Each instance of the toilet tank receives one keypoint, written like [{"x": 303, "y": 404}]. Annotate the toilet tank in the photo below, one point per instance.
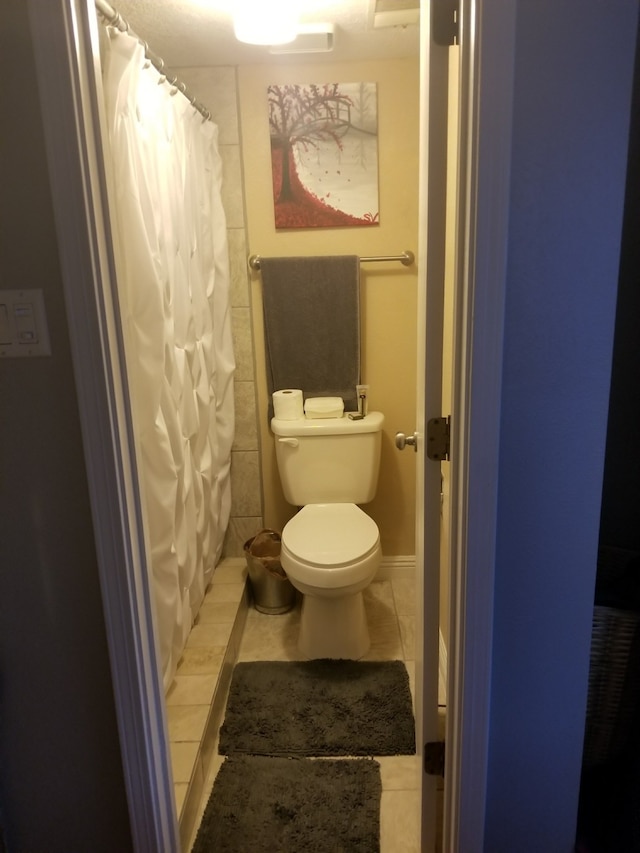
[{"x": 332, "y": 460}]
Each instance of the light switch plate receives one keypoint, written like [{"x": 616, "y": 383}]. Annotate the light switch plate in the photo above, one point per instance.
[{"x": 23, "y": 324}]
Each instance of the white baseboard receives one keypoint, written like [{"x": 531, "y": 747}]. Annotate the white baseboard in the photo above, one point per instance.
[
  {"x": 391, "y": 568},
  {"x": 397, "y": 568}
]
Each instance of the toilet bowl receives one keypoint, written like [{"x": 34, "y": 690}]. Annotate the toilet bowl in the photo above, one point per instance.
[{"x": 330, "y": 553}]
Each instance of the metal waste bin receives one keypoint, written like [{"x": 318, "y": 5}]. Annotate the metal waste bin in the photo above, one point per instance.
[{"x": 272, "y": 591}]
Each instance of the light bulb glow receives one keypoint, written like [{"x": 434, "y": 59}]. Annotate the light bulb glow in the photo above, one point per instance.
[{"x": 265, "y": 21}]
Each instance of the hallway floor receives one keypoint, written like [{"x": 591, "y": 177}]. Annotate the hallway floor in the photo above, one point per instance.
[{"x": 390, "y": 606}]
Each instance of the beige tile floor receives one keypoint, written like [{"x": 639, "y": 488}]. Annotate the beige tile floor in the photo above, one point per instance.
[{"x": 215, "y": 642}]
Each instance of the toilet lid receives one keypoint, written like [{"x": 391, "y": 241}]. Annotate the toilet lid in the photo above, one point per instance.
[{"x": 330, "y": 534}]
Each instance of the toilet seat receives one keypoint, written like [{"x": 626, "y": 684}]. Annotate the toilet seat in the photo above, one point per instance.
[
  {"x": 331, "y": 553},
  {"x": 331, "y": 536}
]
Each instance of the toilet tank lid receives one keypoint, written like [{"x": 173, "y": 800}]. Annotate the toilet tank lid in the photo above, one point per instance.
[{"x": 328, "y": 426}]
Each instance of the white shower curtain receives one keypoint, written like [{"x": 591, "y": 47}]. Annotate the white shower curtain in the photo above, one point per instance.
[{"x": 173, "y": 287}]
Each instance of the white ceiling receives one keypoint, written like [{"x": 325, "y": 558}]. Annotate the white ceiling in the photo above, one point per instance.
[{"x": 200, "y": 32}]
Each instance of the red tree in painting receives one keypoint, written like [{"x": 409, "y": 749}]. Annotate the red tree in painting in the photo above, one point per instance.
[{"x": 306, "y": 116}]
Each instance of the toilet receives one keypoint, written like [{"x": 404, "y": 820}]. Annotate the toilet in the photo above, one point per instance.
[{"x": 330, "y": 549}]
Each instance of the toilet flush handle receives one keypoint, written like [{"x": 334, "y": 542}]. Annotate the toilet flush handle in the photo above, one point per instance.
[{"x": 292, "y": 442}]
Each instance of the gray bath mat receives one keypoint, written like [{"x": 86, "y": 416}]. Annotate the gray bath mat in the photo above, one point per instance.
[
  {"x": 320, "y": 707},
  {"x": 292, "y": 804}
]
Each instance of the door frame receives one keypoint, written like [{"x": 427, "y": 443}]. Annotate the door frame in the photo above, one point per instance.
[
  {"x": 487, "y": 48},
  {"x": 64, "y": 46}
]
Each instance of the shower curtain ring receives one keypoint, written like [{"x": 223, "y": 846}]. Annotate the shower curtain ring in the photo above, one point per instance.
[{"x": 160, "y": 67}]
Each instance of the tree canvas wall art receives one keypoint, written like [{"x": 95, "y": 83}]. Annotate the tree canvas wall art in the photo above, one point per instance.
[{"x": 324, "y": 154}]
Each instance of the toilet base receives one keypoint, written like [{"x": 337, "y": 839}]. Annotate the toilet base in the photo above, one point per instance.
[{"x": 333, "y": 627}]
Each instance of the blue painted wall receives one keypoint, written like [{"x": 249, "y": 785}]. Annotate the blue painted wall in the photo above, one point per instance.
[{"x": 573, "y": 76}]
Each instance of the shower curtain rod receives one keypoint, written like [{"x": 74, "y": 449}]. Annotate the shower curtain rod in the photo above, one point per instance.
[
  {"x": 406, "y": 259},
  {"x": 115, "y": 19}
]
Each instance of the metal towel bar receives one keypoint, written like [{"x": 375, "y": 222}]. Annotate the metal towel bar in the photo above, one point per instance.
[{"x": 407, "y": 258}]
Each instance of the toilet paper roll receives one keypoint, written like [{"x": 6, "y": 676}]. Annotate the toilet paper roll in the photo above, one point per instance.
[{"x": 288, "y": 404}]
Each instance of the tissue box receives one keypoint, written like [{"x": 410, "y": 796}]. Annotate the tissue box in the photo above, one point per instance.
[{"x": 324, "y": 407}]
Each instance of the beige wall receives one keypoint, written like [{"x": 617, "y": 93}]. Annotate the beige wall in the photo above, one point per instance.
[{"x": 388, "y": 290}]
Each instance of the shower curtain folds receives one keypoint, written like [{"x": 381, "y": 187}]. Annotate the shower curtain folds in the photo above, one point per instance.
[{"x": 173, "y": 290}]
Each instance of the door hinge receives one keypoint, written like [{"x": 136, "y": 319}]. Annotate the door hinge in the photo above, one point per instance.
[
  {"x": 445, "y": 22},
  {"x": 439, "y": 439},
  {"x": 434, "y": 758}
]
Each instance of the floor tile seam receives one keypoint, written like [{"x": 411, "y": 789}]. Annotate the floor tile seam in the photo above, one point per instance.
[
  {"x": 217, "y": 649},
  {"x": 397, "y": 615},
  {"x": 210, "y": 626},
  {"x": 208, "y": 648},
  {"x": 230, "y": 574},
  {"x": 196, "y": 742},
  {"x": 210, "y": 597},
  {"x": 193, "y": 675},
  {"x": 407, "y": 654},
  {"x": 188, "y": 705},
  {"x": 255, "y": 616},
  {"x": 214, "y": 622},
  {"x": 400, "y": 609},
  {"x": 385, "y": 621},
  {"x": 223, "y": 609}
]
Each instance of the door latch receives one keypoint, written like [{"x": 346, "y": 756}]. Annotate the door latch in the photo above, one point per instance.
[
  {"x": 445, "y": 25},
  {"x": 434, "y": 758}
]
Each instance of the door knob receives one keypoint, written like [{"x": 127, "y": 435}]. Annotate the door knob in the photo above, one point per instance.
[{"x": 402, "y": 440}]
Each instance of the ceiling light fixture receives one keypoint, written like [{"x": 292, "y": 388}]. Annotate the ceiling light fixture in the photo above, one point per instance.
[
  {"x": 310, "y": 38},
  {"x": 265, "y": 21}
]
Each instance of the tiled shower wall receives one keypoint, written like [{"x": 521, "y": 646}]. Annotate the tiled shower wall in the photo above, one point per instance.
[{"x": 217, "y": 89}]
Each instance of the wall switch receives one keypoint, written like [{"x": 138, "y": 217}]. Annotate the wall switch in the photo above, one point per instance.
[{"x": 23, "y": 324}]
